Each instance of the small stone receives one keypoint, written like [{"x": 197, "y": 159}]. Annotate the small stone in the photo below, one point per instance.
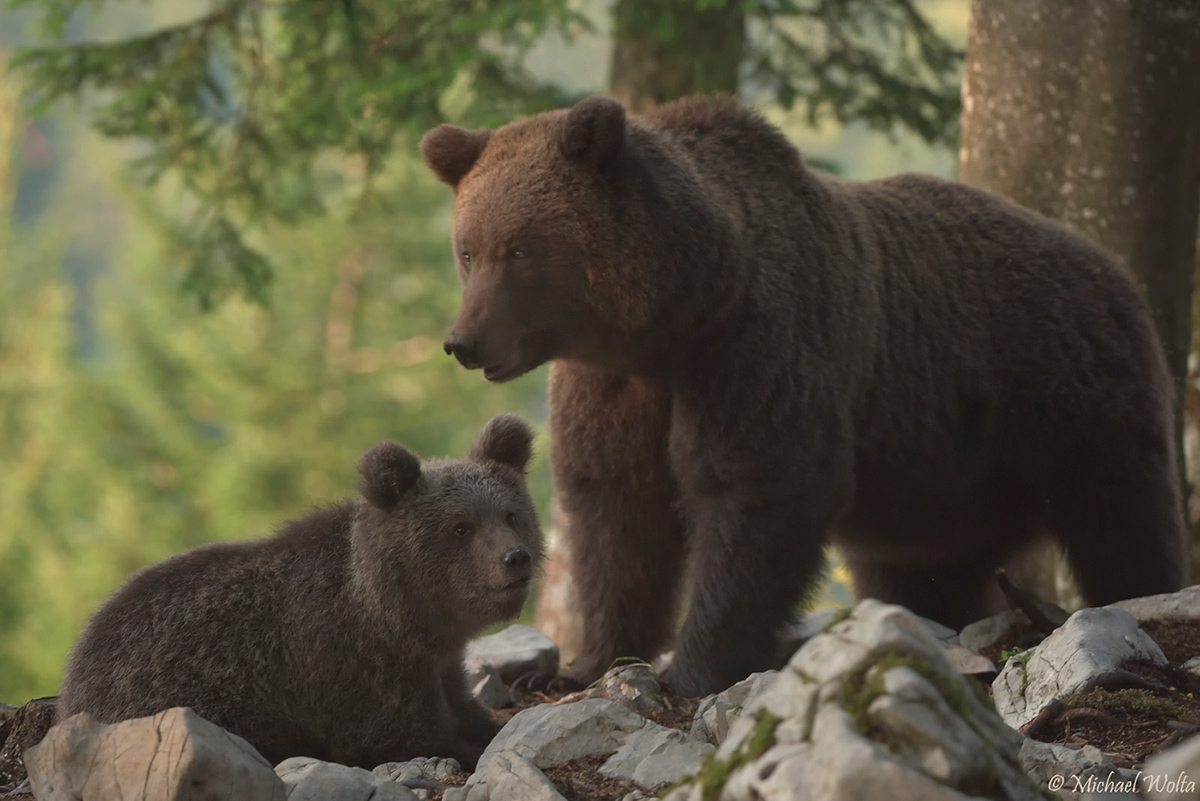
[
  {"x": 655, "y": 756},
  {"x": 511, "y": 777},
  {"x": 430, "y": 769},
  {"x": 970, "y": 663},
  {"x": 1192, "y": 666},
  {"x": 515, "y": 651},
  {"x": 485, "y": 684},
  {"x": 1047, "y": 762},
  {"x": 983, "y": 634},
  {"x": 175, "y": 755},
  {"x": 634, "y": 686},
  {"x": 308, "y": 779},
  {"x": 551, "y": 734},
  {"x": 1173, "y": 606}
]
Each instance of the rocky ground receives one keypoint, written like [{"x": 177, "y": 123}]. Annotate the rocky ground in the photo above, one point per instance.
[{"x": 874, "y": 703}]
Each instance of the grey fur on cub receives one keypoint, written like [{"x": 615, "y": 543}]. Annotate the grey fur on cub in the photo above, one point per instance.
[{"x": 341, "y": 636}]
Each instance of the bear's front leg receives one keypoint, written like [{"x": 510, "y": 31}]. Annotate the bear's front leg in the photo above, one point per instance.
[
  {"x": 609, "y": 452},
  {"x": 475, "y": 723},
  {"x": 759, "y": 496}
]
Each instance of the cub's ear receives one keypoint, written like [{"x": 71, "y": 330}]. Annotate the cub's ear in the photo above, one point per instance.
[
  {"x": 388, "y": 471},
  {"x": 451, "y": 152},
  {"x": 594, "y": 131},
  {"x": 506, "y": 439}
]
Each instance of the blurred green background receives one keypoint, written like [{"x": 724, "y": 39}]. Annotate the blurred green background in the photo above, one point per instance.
[{"x": 135, "y": 422}]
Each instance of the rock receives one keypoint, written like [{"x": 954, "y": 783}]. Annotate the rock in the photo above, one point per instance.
[
  {"x": 309, "y": 779},
  {"x": 970, "y": 663},
  {"x": 511, "y": 777},
  {"x": 633, "y": 686},
  {"x": 515, "y": 651},
  {"x": 430, "y": 769},
  {"x": 550, "y": 734},
  {"x": 655, "y": 756},
  {"x": 1067, "y": 771},
  {"x": 1192, "y": 666},
  {"x": 871, "y": 708},
  {"x": 24, "y": 728},
  {"x": 945, "y": 634},
  {"x": 804, "y": 628},
  {"x": 174, "y": 755},
  {"x": 1172, "y": 606},
  {"x": 1091, "y": 643},
  {"x": 484, "y": 682},
  {"x": 983, "y": 634},
  {"x": 1173, "y": 774},
  {"x": 717, "y": 712}
]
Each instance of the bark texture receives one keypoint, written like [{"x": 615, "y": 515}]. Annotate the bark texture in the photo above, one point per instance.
[{"x": 1090, "y": 114}]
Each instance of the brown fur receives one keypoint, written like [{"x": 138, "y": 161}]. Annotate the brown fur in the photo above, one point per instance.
[
  {"x": 751, "y": 360},
  {"x": 340, "y": 637}
]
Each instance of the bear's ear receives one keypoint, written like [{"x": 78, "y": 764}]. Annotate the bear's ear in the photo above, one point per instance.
[
  {"x": 451, "y": 152},
  {"x": 506, "y": 439},
  {"x": 594, "y": 131},
  {"x": 388, "y": 471}
]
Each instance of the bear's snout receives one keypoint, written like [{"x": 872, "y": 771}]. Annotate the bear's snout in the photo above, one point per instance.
[
  {"x": 466, "y": 352},
  {"x": 519, "y": 564}
]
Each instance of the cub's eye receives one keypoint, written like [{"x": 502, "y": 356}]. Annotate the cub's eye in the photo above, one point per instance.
[
  {"x": 518, "y": 254},
  {"x": 462, "y": 531},
  {"x": 511, "y": 519},
  {"x": 466, "y": 257}
]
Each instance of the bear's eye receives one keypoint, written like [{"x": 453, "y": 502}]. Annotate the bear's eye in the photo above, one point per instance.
[
  {"x": 511, "y": 519},
  {"x": 466, "y": 257},
  {"x": 518, "y": 254},
  {"x": 462, "y": 531}
]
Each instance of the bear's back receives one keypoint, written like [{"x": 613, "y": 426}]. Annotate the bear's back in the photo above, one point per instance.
[{"x": 211, "y": 628}]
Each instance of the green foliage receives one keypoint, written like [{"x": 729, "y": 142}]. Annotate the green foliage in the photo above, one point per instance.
[
  {"x": 1131, "y": 702},
  {"x": 714, "y": 773},
  {"x": 191, "y": 427},
  {"x": 240, "y": 103},
  {"x": 874, "y": 61}
]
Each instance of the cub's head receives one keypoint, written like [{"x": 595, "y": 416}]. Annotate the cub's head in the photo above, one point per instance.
[
  {"x": 547, "y": 217},
  {"x": 456, "y": 542}
]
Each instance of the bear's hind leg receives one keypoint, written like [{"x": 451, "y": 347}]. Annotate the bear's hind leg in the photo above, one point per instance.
[
  {"x": 627, "y": 544},
  {"x": 1116, "y": 510}
]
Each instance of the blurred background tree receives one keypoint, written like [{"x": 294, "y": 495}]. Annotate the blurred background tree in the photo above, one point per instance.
[
  {"x": 211, "y": 309},
  {"x": 1099, "y": 129}
]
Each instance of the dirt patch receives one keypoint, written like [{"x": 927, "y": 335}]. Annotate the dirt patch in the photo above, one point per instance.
[
  {"x": 580, "y": 780},
  {"x": 26, "y": 728},
  {"x": 1179, "y": 640}
]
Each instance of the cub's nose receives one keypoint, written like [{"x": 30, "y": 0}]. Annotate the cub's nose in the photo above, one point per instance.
[
  {"x": 519, "y": 562},
  {"x": 462, "y": 350}
]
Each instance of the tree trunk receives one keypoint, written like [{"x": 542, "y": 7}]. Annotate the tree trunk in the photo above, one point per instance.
[
  {"x": 8, "y": 138},
  {"x": 661, "y": 51},
  {"x": 1090, "y": 114},
  {"x": 666, "y": 50}
]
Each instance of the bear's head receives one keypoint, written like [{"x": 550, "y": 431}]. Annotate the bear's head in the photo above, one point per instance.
[
  {"x": 570, "y": 234},
  {"x": 451, "y": 544}
]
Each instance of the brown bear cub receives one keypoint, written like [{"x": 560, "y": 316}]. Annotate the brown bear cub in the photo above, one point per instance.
[
  {"x": 751, "y": 360},
  {"x": 342, "y": 636}
]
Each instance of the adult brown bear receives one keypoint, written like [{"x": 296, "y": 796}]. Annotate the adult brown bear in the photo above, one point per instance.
[{"x": 751, "y": 359}]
